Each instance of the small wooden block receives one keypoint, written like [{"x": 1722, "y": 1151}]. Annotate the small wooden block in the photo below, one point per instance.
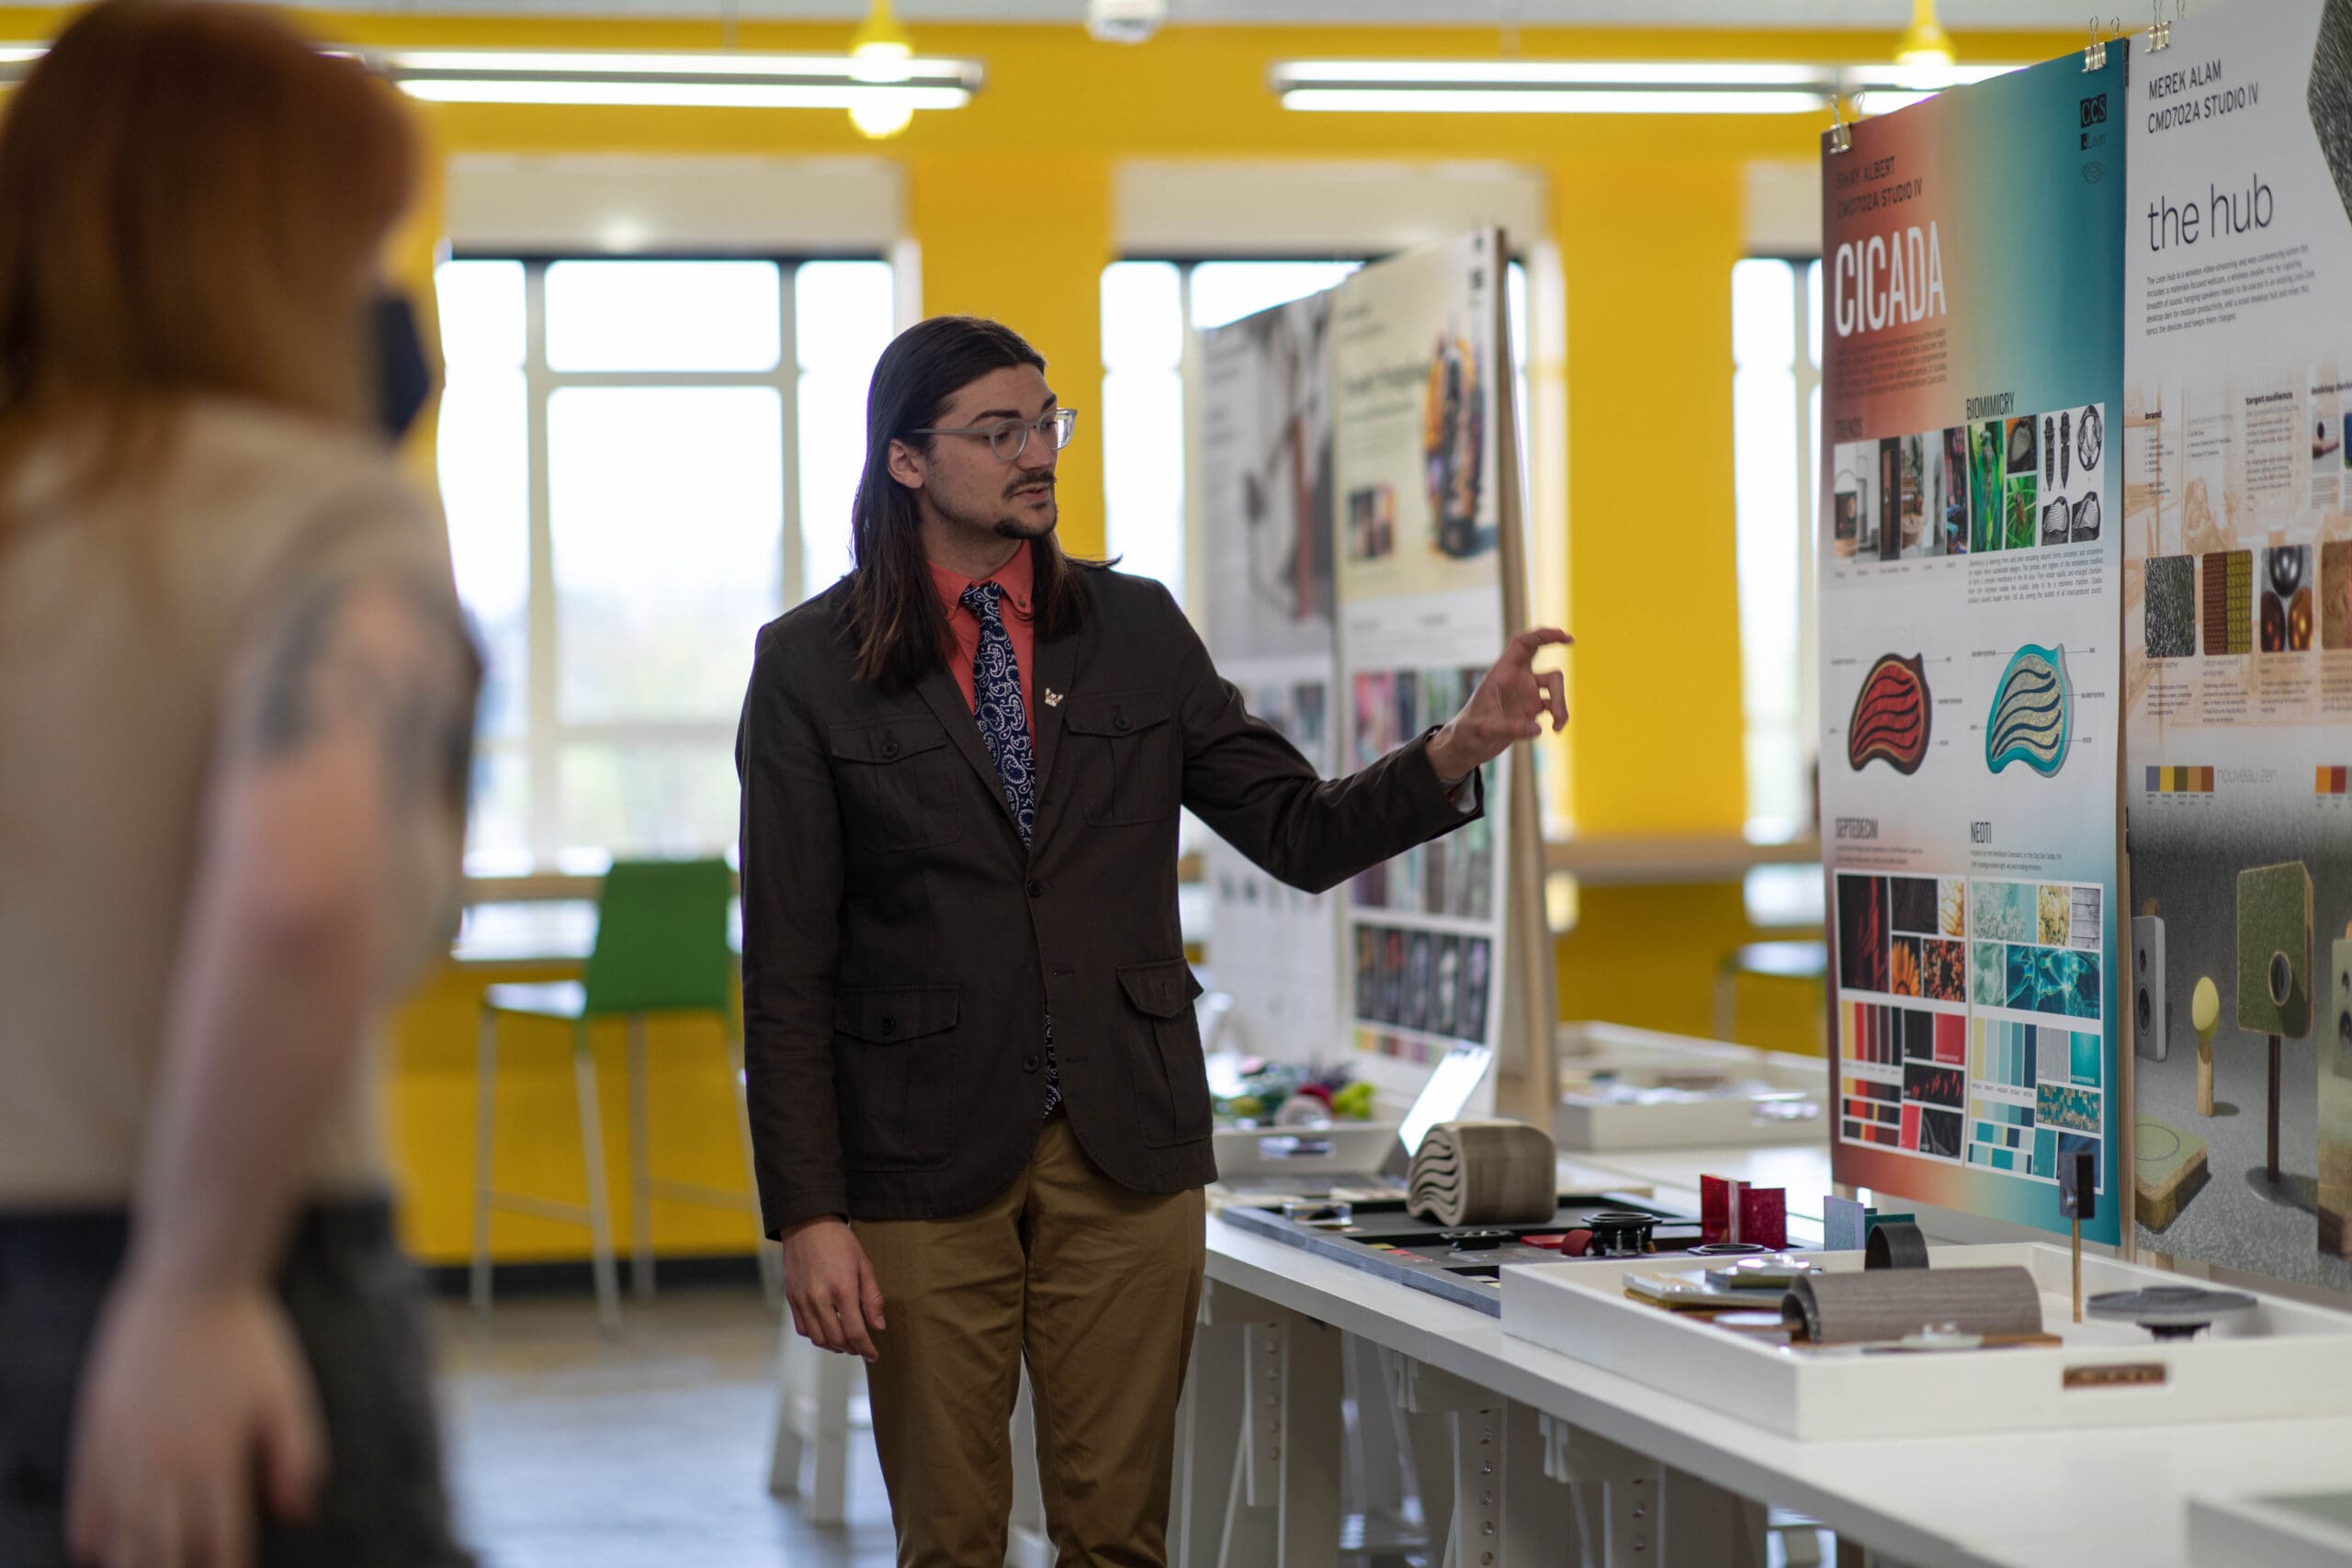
[{"x": 2168, "y": 1169}]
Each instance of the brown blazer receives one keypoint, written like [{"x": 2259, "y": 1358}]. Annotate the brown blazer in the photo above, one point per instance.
[{"x": 900, "y": 945}]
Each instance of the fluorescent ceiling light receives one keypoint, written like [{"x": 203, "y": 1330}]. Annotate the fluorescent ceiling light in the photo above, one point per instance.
[
  {"x": 1580, "y": 87},
  {"x": 1921, "y": 79},
  {"x": 1544, "y": 74},
  {"x": 578, "y": 62},
  {"x": 685, "y": 95},
  {"x": 684, "y": 79},
  {"x": 1525, "y": 100}
]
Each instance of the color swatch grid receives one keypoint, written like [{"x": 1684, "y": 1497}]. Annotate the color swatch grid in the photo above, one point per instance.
[
  {"x": 2335, "y": 781},
  {"x": 1871, "y": 1111},
  {"x": 1986, "y": 1087},
  {"x": 2186, "y": 781},
  {"x": 1888, "y": 1036}
]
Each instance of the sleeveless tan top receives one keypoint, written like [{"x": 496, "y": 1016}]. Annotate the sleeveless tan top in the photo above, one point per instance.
[{"x": 121, "y": 620}]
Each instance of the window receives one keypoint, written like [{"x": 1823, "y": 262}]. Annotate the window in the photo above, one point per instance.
[
  {"x": 643, "y": 461},
  {"x": 1776, "y": 410},
  {"x": 1148, "y": 307}
]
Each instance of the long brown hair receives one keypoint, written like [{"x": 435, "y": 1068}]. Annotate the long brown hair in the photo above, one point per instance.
[
  {"x": 895, "y": 620},
  {"x": 192, "y": 201}
]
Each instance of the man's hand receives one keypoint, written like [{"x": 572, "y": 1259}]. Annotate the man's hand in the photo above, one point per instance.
[
  {"x": 836, "y": 1303},
  {"x": 195, "y": 1399},
  {"x": 1508, "y": 705}
]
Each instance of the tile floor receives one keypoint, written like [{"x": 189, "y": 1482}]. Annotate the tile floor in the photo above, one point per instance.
[{"x": 571, "y": 1450}]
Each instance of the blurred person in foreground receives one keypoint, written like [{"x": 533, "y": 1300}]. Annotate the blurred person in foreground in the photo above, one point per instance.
[{"x": 236, "y": 693}]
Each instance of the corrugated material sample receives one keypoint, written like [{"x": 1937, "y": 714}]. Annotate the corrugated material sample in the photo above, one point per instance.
[
  {"x": 1485, "y": 1173},
  {"x": 1887, "y": 1304}
]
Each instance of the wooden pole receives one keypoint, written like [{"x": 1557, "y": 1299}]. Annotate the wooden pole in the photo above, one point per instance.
[
  {"x": 2274, "y": 1109},
  {"x": 2078, "y": 1269}
]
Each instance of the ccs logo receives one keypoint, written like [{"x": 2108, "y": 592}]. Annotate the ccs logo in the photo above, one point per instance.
[{"x": 2095, "y": 110}]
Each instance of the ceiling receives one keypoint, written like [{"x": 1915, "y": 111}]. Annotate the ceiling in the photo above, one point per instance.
[{"x": 1961, "y": 16}]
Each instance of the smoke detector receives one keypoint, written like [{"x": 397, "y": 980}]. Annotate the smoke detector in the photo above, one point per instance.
[{"x": 1124, "y": 21}]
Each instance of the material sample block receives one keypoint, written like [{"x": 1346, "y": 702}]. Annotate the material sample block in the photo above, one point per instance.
[
  {"x": 2275, "y": 950},
  {"x": 2168, "y": 1170},
  {"x": 2335, "y": 1107}
]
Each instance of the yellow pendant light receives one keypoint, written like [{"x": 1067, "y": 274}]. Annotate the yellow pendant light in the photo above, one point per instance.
[
  {"x": 1925, "y": 43},
  {"x": 878, "y": 52}
]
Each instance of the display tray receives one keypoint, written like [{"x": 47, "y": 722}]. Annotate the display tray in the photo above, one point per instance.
[
  {"x": 2279, "y": 1360},
  {"x": 2309, "y": 1529},
  {"x": 1383, "y": 1239},
  {"x": 1637, "y": 1089}
]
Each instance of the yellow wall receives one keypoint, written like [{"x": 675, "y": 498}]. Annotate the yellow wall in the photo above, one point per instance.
[{"x": 1010, "y": 204}]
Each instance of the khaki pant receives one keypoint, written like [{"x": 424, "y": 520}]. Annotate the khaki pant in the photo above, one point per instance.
[{"x": 1099, "y": 1288}]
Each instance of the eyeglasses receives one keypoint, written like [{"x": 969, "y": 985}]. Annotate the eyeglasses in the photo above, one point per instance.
[{"x": 1008, "y": 439}]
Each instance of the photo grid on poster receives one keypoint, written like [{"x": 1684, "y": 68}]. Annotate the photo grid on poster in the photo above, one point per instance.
[{"x": 1969, "y": 1018}]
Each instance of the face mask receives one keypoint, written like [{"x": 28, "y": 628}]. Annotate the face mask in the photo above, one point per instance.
[{"x": 404, "y": 380}]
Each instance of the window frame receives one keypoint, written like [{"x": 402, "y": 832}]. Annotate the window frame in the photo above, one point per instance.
[
  {"x": 1806, "y": 374},
  {"x": 545, "y": 732}
]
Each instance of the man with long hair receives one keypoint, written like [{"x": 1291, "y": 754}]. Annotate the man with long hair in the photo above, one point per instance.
[{"x": 977, "y": 1090}]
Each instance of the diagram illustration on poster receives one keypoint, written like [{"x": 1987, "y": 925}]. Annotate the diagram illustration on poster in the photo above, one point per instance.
[{"x": 1968, "y": 596}]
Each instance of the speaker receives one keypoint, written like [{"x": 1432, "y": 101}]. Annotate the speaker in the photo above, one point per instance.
[
  {"x": 2148, "y": 1010},
  {"x": 2275, "y": 950}
]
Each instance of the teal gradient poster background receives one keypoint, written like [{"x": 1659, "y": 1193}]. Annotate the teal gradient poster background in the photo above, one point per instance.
[{"x": 1970, "y": 509}]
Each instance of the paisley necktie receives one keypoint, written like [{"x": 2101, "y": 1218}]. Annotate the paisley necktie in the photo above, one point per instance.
[{"x": 1004, "y": 726}]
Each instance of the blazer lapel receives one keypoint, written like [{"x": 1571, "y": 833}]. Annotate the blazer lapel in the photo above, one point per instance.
[
  {"x": 947, "y": 699},
  {"x": 1057, "y": 663}
]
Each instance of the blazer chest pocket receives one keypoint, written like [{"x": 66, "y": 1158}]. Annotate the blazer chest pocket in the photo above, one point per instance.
[
  {"x": 894, "y": 1074},
  {"x": 1171, "y": 1080},
  {"x": 896, "y": 779},
  {"x": 1130, "y": 770}
]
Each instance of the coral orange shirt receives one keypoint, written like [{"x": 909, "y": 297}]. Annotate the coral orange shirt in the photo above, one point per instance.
[{"x": 1016, "y": 577}]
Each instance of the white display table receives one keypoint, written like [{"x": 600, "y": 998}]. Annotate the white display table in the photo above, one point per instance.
[{"x": 2074, "y": 1499}]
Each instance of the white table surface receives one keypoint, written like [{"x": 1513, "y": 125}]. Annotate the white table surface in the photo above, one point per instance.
[{"x": 2076, "y": 1499}]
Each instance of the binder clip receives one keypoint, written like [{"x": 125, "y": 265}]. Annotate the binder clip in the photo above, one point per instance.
[
  {"x": 1841, "y": 135},
  {"x": 2095, "y": 53},
  {"x": 2160, "y": 34}
]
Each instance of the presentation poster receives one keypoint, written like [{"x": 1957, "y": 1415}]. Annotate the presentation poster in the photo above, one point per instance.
[
  {"x": 1970, "y": 667},
  {"x": 1416, "y": 349},
  {"x": 1265, "y": 477},
  {"x": 2238, "y": 636}
]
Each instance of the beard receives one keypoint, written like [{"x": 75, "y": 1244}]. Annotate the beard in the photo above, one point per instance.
[{"x": 1005, "y": 525}]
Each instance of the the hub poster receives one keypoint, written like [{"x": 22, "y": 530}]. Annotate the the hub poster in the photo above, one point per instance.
[
  {"x": 1971, "y": 323},
  {"x": 2238, "y": 636}
]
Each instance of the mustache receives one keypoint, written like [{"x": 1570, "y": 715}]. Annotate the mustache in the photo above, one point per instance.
[{"x": 1023, "y": 483}]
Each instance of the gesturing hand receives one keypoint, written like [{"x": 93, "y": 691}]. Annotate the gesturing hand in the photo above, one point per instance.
[
  {"x": 1510, "y": 705},
  {"x": 836, "y": 1301}
]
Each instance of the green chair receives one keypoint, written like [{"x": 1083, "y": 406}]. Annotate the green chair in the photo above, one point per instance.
[{"x": 661, "y": 948}]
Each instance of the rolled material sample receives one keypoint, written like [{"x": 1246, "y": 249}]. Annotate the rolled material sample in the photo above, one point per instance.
[
  {"x": 1485, "y": 1173},
  {"x": 1898, "y": 1243},
  {"x": 1887, "y": 1304}
]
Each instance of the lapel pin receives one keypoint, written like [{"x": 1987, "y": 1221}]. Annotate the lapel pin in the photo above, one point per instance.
[{"x": 1053, "y": 698}]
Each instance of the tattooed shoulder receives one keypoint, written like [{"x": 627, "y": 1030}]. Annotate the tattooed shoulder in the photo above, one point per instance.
[{"x": 381, "y": 657}]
